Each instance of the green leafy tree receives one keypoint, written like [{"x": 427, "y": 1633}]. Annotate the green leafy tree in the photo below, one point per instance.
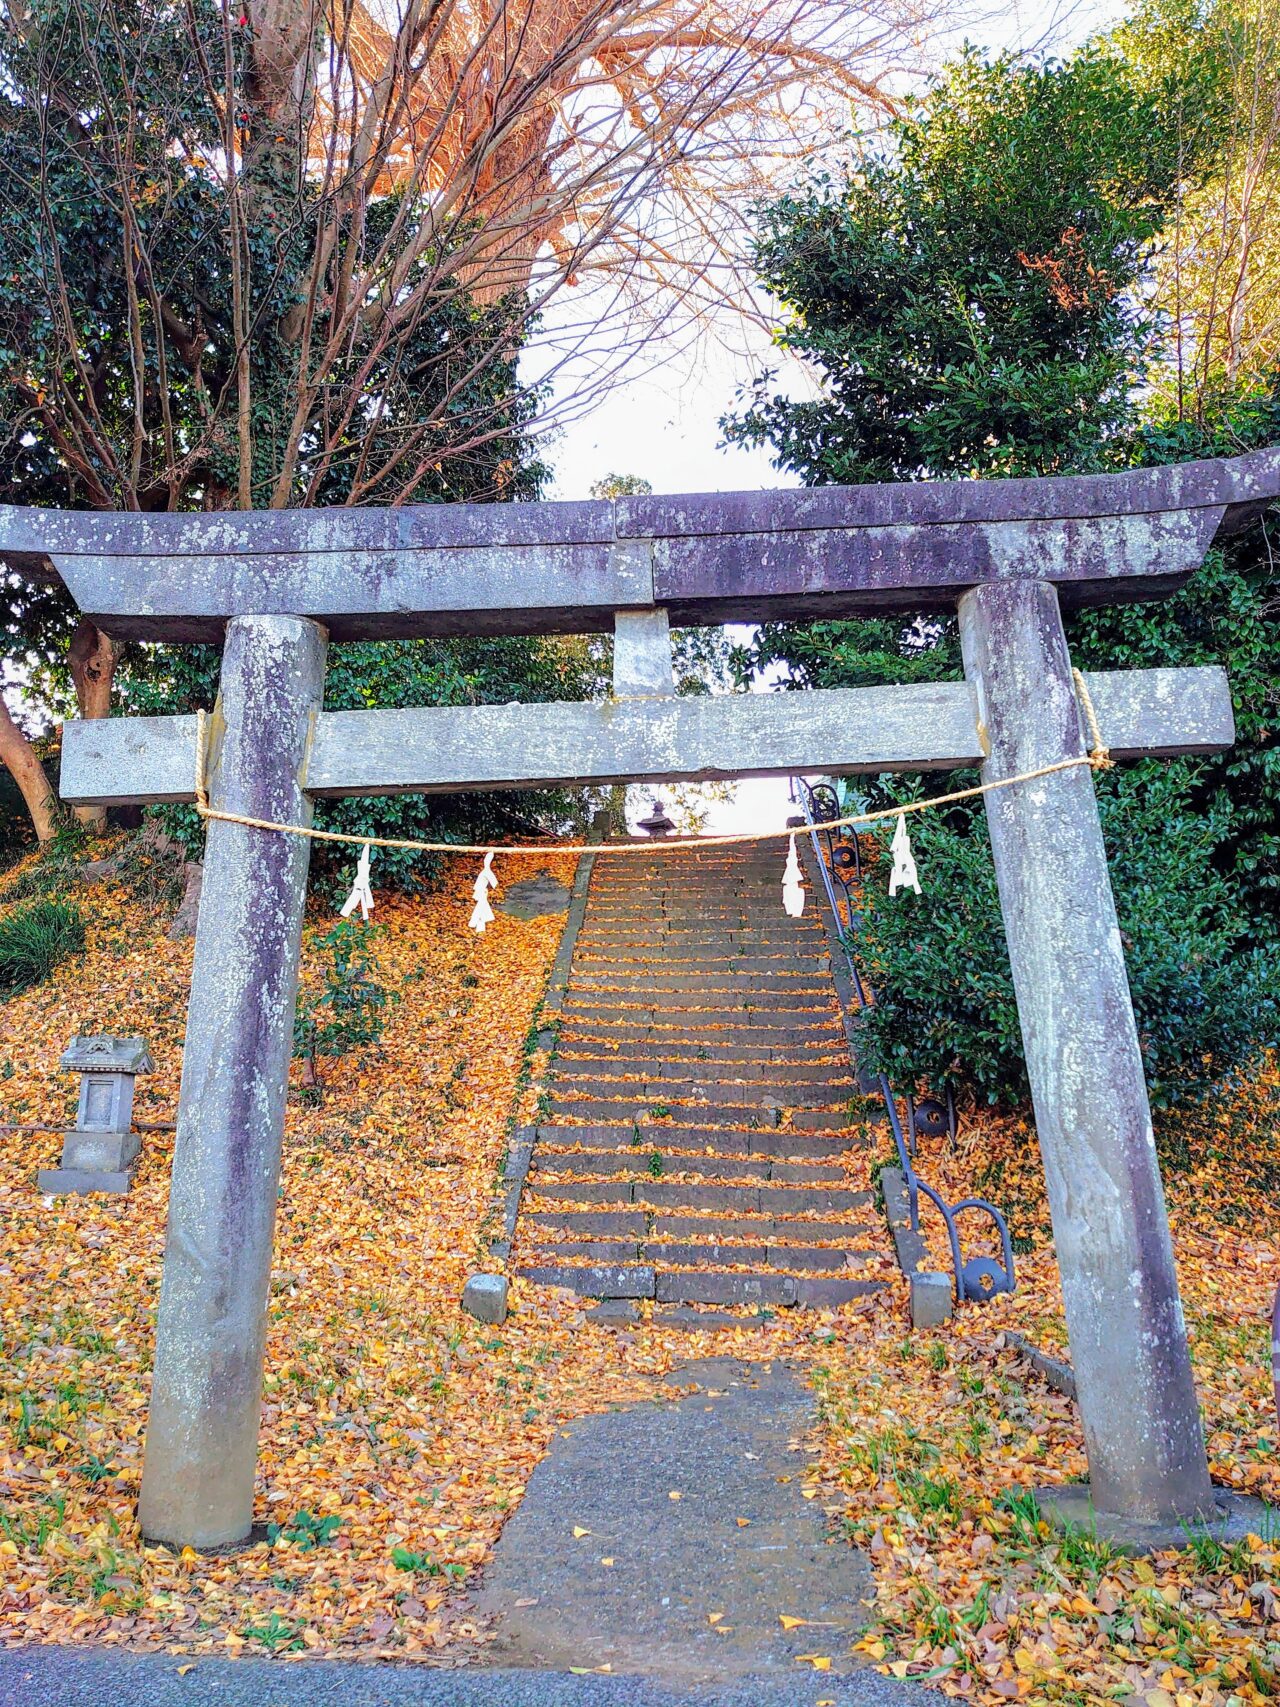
[
  {"x": 962, "y": 308},
  {"x": 967, "y": 312}
]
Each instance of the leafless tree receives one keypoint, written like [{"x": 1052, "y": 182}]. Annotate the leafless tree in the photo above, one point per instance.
[
  {"x": 1219, "y": 280},
  {"x": 323, "y": 230}
]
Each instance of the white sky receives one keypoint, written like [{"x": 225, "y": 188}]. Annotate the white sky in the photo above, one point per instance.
[{"x": 663, "y": 424}]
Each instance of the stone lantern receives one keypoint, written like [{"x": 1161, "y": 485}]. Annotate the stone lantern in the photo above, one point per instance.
[
  {"x": 100, "y": 1153},
  {"x": 657, "y": 823}
]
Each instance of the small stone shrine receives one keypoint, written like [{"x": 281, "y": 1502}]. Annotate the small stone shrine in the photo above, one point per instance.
[{"x": 99, "y": 1154}]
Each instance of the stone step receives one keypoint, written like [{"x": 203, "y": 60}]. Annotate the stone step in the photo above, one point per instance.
[
  {"x": 618, "y": 1111},
  {"x": 614, "y": 1026},
  {"x": 681, "y": 1196},
  {"x": 727, "y": 913},
  {"x": 677, "y": 1094},
  {"x": 577, "y": 1164},
  {"x": 640, "y": 1280},
  {"x": 792, "y": 981},
  {"x": 694, "y": 1054},
  {"x": 683, "y": 962},
  {"x": 590, "y": 1223},
  {"x": 654, "y": 1064},
  {"x": 845, "y": 1233},
  {"x": 728, "y": 1043},
  {"x": 641, "y": 1224},
  {"x": 712, "y": 989},
  {"x": 765, "y": 1017},
  {"x": 598, "y": 1252},
  {"x": 752, "y": 1117},
  {"x": 659, "y": 941},
  {"x": 595, "y": 1280},
  {"x": 791, "y": 1259},
  {"x": 563, "y": 1164},
  {"x": 716, "y": 990},
  {"x": 779, "y": 1142}
]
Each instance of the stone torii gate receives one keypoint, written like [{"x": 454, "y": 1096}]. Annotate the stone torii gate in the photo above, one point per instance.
[{"x": 1006, "y": 554}]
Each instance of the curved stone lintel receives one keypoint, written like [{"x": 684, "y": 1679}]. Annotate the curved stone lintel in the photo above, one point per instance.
[{"x": 706, "y": 557}]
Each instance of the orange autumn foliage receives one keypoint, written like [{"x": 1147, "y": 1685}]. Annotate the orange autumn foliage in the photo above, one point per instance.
[{"x": 416, "y": 1428}]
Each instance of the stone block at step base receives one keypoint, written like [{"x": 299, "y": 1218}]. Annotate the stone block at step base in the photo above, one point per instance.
[
  {"x": 693, "y": 1321},
  {"x": 594, "y": 1223},
  {"x": 485, "y": 1297},
  {"x": 62, "y": 1182},
  {"x": 609, "y": 1251},
  {"x": 930, "y": 1299},
  {"x": 615, "y": 1312},
  {"x": 596, "y": 1280},
  {"x": 711, "y": 1288},
  {"x": 100, "y": 1152},
  {"x": 827, "y": 1292},
  {"x": 533, "y": 897}
]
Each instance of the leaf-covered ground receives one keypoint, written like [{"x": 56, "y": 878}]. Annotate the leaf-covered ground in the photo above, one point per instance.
[{"x": 398, "y": 1433}]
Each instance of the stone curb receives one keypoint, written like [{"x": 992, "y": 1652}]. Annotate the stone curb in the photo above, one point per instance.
[
  {"x": 1059, "y": 1374},
  {"x": 558, "y": 979},
  {"x": 520, "y": 1153},
  {"x": 840, "y": 975},
  {"x": 909, "y": 1247},
  {"x": 514, "y": 1173}
]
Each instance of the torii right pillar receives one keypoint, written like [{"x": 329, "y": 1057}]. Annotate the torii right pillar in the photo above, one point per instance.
[{"x": 1142, "y": 1428}]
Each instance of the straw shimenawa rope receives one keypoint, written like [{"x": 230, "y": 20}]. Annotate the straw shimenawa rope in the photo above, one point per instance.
[{"x": 1097, "y": 758}]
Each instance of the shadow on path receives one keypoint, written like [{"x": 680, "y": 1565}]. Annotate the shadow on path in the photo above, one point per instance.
[
  {"x": 698, "y": 1538},
  {"x": 732, "y": 1446}
]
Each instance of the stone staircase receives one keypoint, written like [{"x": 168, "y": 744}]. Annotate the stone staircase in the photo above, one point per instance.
[{"x": 703, "y": 1139}]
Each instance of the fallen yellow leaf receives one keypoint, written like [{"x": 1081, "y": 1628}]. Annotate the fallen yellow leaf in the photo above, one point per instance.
[
  {"x": 790, "y": 1623},
  {"x": 579, "y": 1533},
  {"x": 819, "y": 1662}
]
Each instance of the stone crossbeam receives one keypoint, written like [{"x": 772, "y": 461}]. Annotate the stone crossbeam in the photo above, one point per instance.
[
  {"x": 928, "y": 726},
  {"x": 824, "y": 552}
]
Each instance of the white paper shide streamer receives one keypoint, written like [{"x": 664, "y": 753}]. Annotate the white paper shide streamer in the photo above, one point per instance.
[
  {"x": 903, "y": 875},
  {"x": 361, "y": 895},
  {"x": 482, "y": 912},
  {"x": 792, "y": 883}
]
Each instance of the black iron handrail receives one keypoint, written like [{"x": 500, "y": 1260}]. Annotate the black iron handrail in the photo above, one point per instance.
[{"x": 981, "y": 1278}]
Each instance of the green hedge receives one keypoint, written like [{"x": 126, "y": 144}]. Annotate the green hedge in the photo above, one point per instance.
[{"x": 945, "y": 1008}]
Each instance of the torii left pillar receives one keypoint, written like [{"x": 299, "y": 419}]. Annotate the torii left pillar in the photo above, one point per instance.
[{"x": 206, "y": 1395}]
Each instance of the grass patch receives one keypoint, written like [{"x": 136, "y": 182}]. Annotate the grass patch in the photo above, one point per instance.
[{"x": 36, "y": 938}]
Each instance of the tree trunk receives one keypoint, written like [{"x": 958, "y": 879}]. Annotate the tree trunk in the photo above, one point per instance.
[
  {"x": 92, "y": 660},
  {"x": 19, "y": 757}
]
